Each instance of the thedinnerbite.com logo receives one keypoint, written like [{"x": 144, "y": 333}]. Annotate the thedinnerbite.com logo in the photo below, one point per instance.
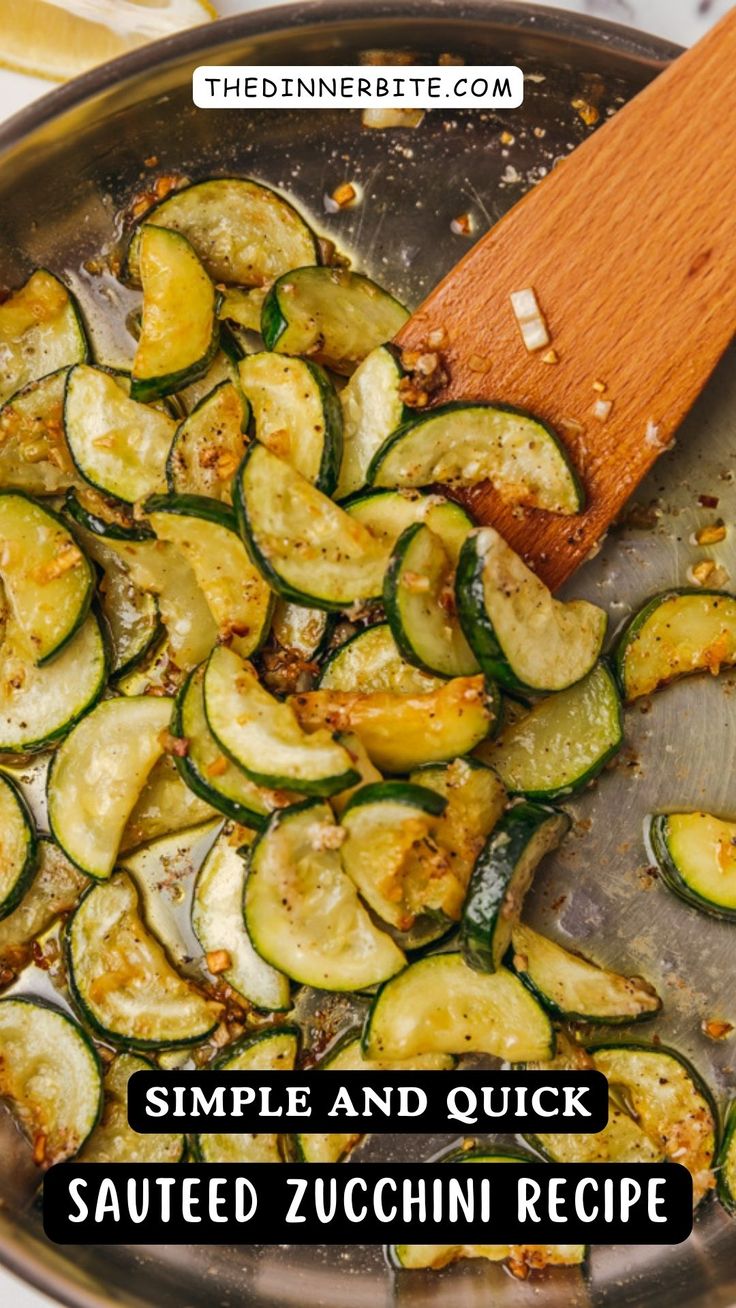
[{"x": 348, "y": 87}]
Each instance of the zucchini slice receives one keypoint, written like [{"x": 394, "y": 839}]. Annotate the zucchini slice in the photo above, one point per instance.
[
  {"x": 41, "y": 331},
  {"x": 98, "y": 774},
  {"x": 303, "y": 913},
  {"x": 677, "y": 633},
  {"x": 165, "y": 805},
  {"x": 112, "y": 1140},
  {"x": 308, "y": 548},
  {"x": 520, "y": 634},
  {"x": 388, "y": 513},
  {"x": 46, "y": 577},
  {"x": 205, "y": 533},
  {"x": 132, "y": 616},
  {"x": 104, "y": 516},
  {"x": 696, "y": 855},
  {"x": 475, "y": 801},
  {"x": 244, "y": 233},
  {"x": 502, "y": 877},
  {"x": 334, "y": 316},
  {"x": 620, "y": 1141},
  {"x": 243, "y": 307},
  {"x": 467, "y": 443},
  {"x": 726, "y": 1162},
  {"x": 223, "y": 368},
  {"x": 50, "y": 1076},
  {"x": 209, "y": 444},
  {"x": 372, "y": 408},
  {"x": 571, "y": 987},
  {"x": 369, "y": 661},
  {"x": 39, "y": 705},
  {"x": 118, "y": 445},
  {"x": 439, "y": 1005},
  {"x": 401, "y": 732},
  {"x": 18, "y": 849},
  {"x": 419, "y": 598},
  {"x": 121, "y": 980},
  {"x": 361, "y": 762},
  {"x": 180, "y": 328},
  {"x": 297, "y": 414},
  {"x": 562, "y": 743},
  {"x": 263, "y": 736},
  {"x": 34, "y": 456},
  {"x": 217, "y": 921},
  {"x": 268, "y": 1051},
  {"x": 305, "y": 631},
  {"x": 54, "y": 889}
]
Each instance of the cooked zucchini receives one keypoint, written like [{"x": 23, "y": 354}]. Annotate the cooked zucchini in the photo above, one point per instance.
[
  {"x": 726, "y": 1162},
  {"x": 98, "y": 774},
  {"x": 180, "y": 328},
  {"x": 41, "y": 331},
  {"x": 118, "y": 445},
  {"x": 121, "y": 979},
  {"x": 223, "y": 368},
  {"x": 419, "y": 598},
  {"x": 243, "y": 307},
  {"x": 401, "y": 732},
  {"x": 370, "y": 661},
  {"x": 520, "y": 634},
  {"x": 18, "y": 850},
  {"x": 47, "y": 580},
  {"x": 571, "y": 987},
  {"x": 217, "y": 920},
  {"x": 677, "y": 633},
  {"x": 39, "y": 705},
  {"x": 334, "y": 316},
  {"x": 132, "y": 616},
  {"x": 205, "y": 533},
  {"x": 388, "y": 513},
  {"x": 209, "y": 444},
  {"x": 34, "y": 456},
  {"x": 696, "y": 855},
  {"x": 306, "y": 631},
  {"x": 372, "y": 408},
  {"x": 362, "y": 764},
  {"x": 104, "y": 516},
  {"x": 475, "y": 801},
  {"x": 263, "y": 736},
  {"x": 467, "y": 443},
  {"x": 439, "y": 1005},
  {"x": 297, "y": 414},
  {"x": 502, "y": 877},
  {"x": 308, "y": 548},
  {"x": 244, "y": 233},
  {"x": 54, "y": 889},
  {"x": 163, "y": 872},
  {"x": 50, "y": 1075},
  {"x": 112, "y": 1140},
  {"x": 165, "y": 805},
  {"x": 561, "y": 744},
  {"x": 620, "y": 1141},
  {"x": 302, "y": 911},
  {"x": 268, "y": 1051}
]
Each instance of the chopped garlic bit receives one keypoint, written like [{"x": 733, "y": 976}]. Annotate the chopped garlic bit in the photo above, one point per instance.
[
  {"x": 572, "y": 424},
  {"x": 217, "y": 960},
  {"x": 600, "y": 387},
  {"x": 344, "y": 195},
  {"x": 651, "y": 435},
  {"x": 585, "y": 110},
  {"x": 601, "y": 409},
  {"x": 478, "y": 363},
  {"x": 711, "y": 535},
  {"x": 551, "y": 357},
  {"x": 323, "y": 836},
  {"x": 462, "y": 225},
  {"x": 382, "y": 118},
  {"x": 701, "y": 573},
  {"x": 530, "y": 319},
  {"x": 507, "y": 138},
  {"x": 715, "y": 1028}
]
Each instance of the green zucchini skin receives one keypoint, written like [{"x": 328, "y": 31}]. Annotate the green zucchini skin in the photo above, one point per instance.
[
  {"x": 27, "y": 869},
  {"x": 193, "y": 506},
  {"x": 567, "y": 1013},
  {"x": 726, "y": 1162},
  {"x": 334, "y": 348},
  {"x": 398, "y": 792},
  {"x": 412, "y": 631},
  {"x": 672, "y": 875},
  {"x": 106, "y": 527},
  {"x": 501, "y": 877},
  {"x": 634, "y": 626},
  {"x": 34, "y": 745}
]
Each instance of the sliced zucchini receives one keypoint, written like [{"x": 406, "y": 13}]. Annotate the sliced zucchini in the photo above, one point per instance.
[
  {"x": 41, "y": 331},
  {"x": 205, "y": 533},
  {"x": 370, "y": 661},
  {"x": 331, "y": 314},
  {"x": 118, "y": 445},
  {"x": 467, "y": 443},
  {"x": 39, "y": 705},
  {"x": 269, "y": 1051},
  {"x": 475, "y": 801},
  {"x": 419, "y": 598},
  {"x": 571, "y": 987},
  {"x": 620, "y": 1141},
  {"x": 112, "y": 1140},
  {"x": 362, "y": 764},
  {"x": 50, "y": 1076},
  {"x": 244, "y": 233},
  {"x": 163, "y": 872},
  {"x": 223, "y": 368},
  {"x": 98, "y": 774},
  {"x": 297, "y": 414},
  {"x": 263, "y": 736},
  {"x": 677, "y": 633},
  {"x": 54, "y": 890},
  {"x": 305, "y": 631},
  {"x": 132, "y": 616},
  {"x": 303, "y": 913},
  {"x": 121, "y": 979},
  {"x": 217, "y": 920},
  {"x": 401, "y": 732},
  {"x": 388, "y": 513},
  {"x": 180, "y": 328},
  {"x": 47, "y": 580},
  {"x": 502, "y": 877},
  {"x": 34, "y": 456},
  {"x": 308, "y": 548},
  {"x": 209, "y": 444},
  {"x": 562, "y": 743},
  {"x": 165, "y": 805},
  {"x": 696, "y": 855},
  {"x": 372, "y": 408},
  {"x": 18, "y": 849},
  {"x": 103, "y": 515},
  {"x": 520, "y": 634},
  {"x": 243, "y": 307},
  {"x": 439, "y": 1005},
  {"x": 726, "y": 1162}
]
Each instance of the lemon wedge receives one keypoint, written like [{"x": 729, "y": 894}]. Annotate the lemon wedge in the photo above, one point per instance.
[{"x": 59, "y": 41}]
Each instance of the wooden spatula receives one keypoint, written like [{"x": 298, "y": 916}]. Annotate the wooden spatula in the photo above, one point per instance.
[{"x": 630, "y": 247}]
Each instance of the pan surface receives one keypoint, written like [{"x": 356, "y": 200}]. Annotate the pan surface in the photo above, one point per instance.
[{"x": 68, "y": 166}]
